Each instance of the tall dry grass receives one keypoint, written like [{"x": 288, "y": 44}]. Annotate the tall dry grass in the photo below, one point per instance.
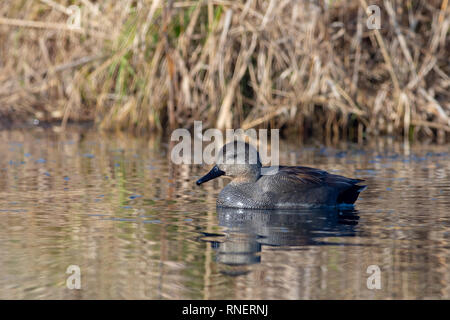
[{"x": 312, "y": 66}]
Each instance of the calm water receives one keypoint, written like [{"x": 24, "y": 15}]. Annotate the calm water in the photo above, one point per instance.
[{"x": 139, "y": 227}]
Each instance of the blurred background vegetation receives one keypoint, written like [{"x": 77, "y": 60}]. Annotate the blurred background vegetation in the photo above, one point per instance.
[{"x": 309, "y": 67}]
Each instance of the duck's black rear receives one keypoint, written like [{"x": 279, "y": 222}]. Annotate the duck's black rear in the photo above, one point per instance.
[{"x": 349, "y": 195}]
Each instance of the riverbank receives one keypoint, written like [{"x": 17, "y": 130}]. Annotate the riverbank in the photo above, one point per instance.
[{"x": 308, "y": 68}]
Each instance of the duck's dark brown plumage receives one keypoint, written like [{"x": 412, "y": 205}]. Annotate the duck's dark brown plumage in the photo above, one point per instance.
[{"x": 349, "y": 190}]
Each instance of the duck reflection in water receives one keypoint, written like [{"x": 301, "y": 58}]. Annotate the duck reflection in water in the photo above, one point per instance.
[{"x": 248, "y": 230}]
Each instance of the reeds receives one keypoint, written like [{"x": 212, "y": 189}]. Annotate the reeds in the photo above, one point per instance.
[{"x": 308, "y": 66}]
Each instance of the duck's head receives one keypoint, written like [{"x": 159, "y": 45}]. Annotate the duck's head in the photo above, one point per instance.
[{"x": 236, "y": 159}]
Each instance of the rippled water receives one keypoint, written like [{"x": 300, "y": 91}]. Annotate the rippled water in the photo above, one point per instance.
[{"x": 139, "y": 227}]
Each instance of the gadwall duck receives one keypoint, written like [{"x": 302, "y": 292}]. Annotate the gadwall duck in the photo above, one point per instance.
[{"x": 284, "y": 188}]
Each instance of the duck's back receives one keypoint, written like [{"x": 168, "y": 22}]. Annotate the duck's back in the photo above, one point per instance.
[
  {"x": 297, "y": 186},
  {"x": 290, "y": 188}
]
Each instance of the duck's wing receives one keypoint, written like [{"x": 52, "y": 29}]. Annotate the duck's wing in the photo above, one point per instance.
[
  {"x": 347, "y": 189},
  {"x": 313, "y": 175},
  {"x": 304, "y": 175}
]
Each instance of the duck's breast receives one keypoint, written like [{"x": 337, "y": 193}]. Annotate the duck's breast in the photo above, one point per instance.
[{"x": 246, "y": 195}]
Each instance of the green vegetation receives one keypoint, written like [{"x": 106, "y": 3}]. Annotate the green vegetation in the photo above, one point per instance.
[{"x": 311, "y": 67}]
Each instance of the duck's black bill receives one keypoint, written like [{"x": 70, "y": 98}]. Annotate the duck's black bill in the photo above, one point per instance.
[{"x": 214, "y": 173}]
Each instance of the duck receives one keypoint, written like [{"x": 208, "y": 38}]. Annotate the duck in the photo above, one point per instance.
[{"x": 283, "y": 187}]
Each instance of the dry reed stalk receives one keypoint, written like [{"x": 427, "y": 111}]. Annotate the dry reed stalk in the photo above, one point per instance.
[{"x": 243, "y": 63}]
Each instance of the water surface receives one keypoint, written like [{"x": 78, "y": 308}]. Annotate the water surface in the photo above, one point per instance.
[{"x": 139, "y": 228}]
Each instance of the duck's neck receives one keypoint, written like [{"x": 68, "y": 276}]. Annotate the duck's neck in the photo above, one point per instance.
[{"x": 250, "y": 177}]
